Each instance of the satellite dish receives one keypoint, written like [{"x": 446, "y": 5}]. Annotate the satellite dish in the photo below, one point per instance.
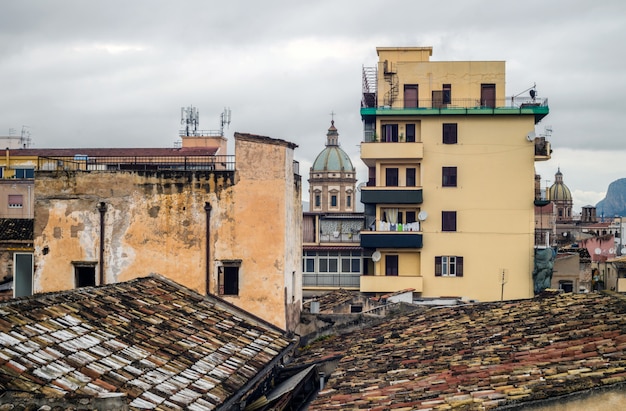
[
  {"x": 376, "y": 256},
  {"x": 423, "y": 215},
  {"x": 359, "y": 186},
  {"x": 598, "y": 251},
  {"x": 530, "y": 136}
]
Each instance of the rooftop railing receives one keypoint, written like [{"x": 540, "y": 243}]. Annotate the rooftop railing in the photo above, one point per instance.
[
  {"x": 137, "y": 163},
  {"x": 464, "y": 103}
]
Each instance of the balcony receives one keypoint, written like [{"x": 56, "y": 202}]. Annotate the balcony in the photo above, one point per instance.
[
  {"x": 469, "y": 106},
  {"x": 391, "y": 195},
  {"x": 330, "y": 280},
  {"x": 391, "y": 239},
  {"x": 386, "y": 284},
  {"x": 372, "y": 150}
]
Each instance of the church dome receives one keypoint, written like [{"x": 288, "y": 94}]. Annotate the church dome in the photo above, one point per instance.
[
  {"x": 332, "y": 158},
  {"x": 559, "y": 191}
]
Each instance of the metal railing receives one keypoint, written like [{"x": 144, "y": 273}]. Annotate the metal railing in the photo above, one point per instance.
[
  {"x": 331, "y": 280},
  {"x": 137, "y": 163},
  {"x": 466, "y": 103}
]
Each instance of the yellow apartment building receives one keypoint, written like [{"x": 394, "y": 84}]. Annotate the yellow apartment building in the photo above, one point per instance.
[{"x": 449, "y": 201}]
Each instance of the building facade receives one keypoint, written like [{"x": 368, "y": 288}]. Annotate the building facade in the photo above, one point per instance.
[
  {"x": 451, "y": 190},
  {"x": 107, "y": 216},
  {"x": 332, "y": 257}
]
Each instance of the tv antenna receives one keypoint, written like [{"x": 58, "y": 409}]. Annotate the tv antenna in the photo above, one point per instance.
[
  {"x": 224, "y": 119},
  {"x": 25, "y": 137},
  {"x": 190, "y": 117}
]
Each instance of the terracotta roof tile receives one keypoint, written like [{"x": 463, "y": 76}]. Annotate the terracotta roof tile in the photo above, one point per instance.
[
  {"x": 97, "y": 341},
  {"x": 478, "y": 356}
]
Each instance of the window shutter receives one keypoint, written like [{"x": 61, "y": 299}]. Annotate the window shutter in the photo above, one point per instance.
[
  {"x": 437, "y": 266},
  {"x": 459, "y": 266}
]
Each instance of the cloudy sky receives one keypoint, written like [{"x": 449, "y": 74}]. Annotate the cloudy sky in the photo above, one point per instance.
[{"x": 116, "y": 73}]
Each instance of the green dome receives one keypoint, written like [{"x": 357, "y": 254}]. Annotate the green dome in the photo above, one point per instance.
[{"x": 332, "y": 158}]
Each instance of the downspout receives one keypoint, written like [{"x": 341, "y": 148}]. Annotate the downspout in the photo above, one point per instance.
[
  {"x": 207, "y": 210},
  {"x": 102, "y": 208}
]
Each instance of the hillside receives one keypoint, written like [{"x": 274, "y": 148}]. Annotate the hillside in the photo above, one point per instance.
[{"x": 615, "y": 201}]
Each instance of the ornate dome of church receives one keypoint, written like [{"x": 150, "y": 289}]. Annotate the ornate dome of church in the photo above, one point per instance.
[
  {"x": 559, "y": 191},
  {"x": 332, "y": 158}
]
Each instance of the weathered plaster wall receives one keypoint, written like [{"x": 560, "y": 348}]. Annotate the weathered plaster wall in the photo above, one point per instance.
[
  {"x": 154, "y": 222},
  {"x": 264, "y": 230}
]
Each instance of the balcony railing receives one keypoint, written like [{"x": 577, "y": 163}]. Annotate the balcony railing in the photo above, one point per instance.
[
  {"x": 331, "y": 280},
  {"x": 337, "y": 237},
  {"x": 137, "y": 163},
  {"x": 464, "y": 103}
]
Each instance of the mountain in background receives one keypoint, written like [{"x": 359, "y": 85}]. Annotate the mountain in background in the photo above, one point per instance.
[{"x": 615, "y": 201}]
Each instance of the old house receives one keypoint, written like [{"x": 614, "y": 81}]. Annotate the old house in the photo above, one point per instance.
[{"x": 218, "y": 224}]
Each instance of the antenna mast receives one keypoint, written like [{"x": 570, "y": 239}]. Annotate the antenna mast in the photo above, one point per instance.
[
  {"x": 190, "y": 117},
  {"x": 224, "y": 119}
]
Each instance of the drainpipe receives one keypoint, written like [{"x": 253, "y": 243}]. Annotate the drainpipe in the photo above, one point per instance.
[
  {"x": 207, "y": 210},
  {"x": 102, "y": 208}
]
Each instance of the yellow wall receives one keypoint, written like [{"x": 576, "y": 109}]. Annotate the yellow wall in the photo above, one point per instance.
[
  {"x": 494, "y": 195},
  {"x": 155, "y": 222}
]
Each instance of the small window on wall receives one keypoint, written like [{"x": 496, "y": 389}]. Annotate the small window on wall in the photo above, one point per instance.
[
  {"x": 410, "y": 133},
  {"x": 447, "y": 94},
  {"x": 25, "y": 173},
  {"x": 318, "y": 200},
  {"x": 15, "y": 201},
  {"x": 448, "y": 221},
  {"x": 228, "y": 279},
  {"x": 410, "y": 177},
  {"x": 85, "y": 275},
  {"x": 391, "y": 265},
  {"x": 450, "y": 133},
  {"x": 391, "y": 177},
  {"x": 448, "y": 177},
  {"x": 348, "y": 200},
  {"x": 448, "y": 266},
  {"x": 389, "y": 133},
  {"x": 333, "y": 200}
]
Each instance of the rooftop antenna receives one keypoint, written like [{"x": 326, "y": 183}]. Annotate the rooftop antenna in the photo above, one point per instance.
[
  {"x": 25, "y": 137},
  {"x": 224, "y": 119},
  {"x": 190, "y": 117}
]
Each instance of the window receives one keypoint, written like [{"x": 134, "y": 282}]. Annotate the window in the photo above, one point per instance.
[
  {"x": 85, "y": 275},
  {"x": 449, "y": 133},
  {"x": 448, "y": 221},
  {"x": 448, "y": 266},
  {"x": 351, "y": 265},
  {"x": 447, "y": 94},
  {"x": 391, "y": 265},
  {"x": 16, "y": 201},
  {"x": 410, "y": 216},
  {"x": 228, "y": 280},
  {"x": 308, "y": 265},
  {"x": 318, "y": 200},
  {"x": 328, "y": 262},
  {"x": 410, "y": 133},
  {"x": 448, "y": 177},
  {"x": 410, "y": 177},
  {"x": 333, "y": 200},
  {"x": 391, "y": 177},
  {"x": 348, "y": 200},
  {"x": 410, "y": 95},
  {"x": 25, "y": 173},
  {"x": 389, "y": 133}
]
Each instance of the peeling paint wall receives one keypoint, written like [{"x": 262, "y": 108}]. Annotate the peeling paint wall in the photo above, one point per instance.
[{"x": 156, "y": 222}]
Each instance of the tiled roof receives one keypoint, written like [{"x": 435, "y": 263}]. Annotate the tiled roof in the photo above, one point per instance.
[
  {"x": 478, "y": 356},
  {"x": 150, "y": 340},
  {"x": 331, "y": 300},
  {"x": 16, "y": 229}
]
